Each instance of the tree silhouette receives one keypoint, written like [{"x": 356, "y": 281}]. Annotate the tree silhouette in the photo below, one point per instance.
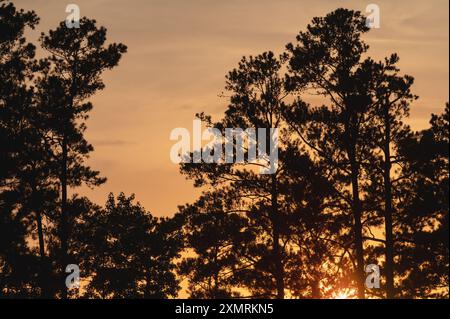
[
  {"x": 327, "y": 60},
  {"x": 392, "y": 96},
  {"x": 124, "y": 250},
  {"x": 256, "y": 102},
  {"x": 19, "y": 151},
  {"x": 353, "y": 183},
  {"x": 217, "y": 239},
  {"x": 423, "y": 226},
  {"x": 78, "y": 56},
  {"x": 280, "y": 209}
]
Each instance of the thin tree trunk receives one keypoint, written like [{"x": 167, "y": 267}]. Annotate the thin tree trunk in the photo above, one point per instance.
[
  {"x": 389, "y": 246},
  {"x": 64, "y": 217},
  {"x": 63, "y": 226},
  {"x": 315, "y": 289},
  {"x": 43, "y": 278},
  {"x": 215, "y": 275},
  {"x": 279, "y": 269},
  {"x": 216, "y": 285},
  {"x": 357, "y": 227},
  {"x": 40, "y": 235}
]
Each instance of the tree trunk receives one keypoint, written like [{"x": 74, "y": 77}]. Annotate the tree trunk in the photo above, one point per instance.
[
  {"x": 389, "y": 246},
  {"x": 43, "y": 273},
  {"x": 315, "y": 289},
  {"x": 357, "y": 226},
  {"x": 40, "y": 235},
  {"x": 63, "y": 226},
  {"x": 279, "y": 269}
]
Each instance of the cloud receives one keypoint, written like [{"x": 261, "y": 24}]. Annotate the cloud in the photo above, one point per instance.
[
  {"x": 179, "y": 54},
  {"x": 110, "y": 143}
]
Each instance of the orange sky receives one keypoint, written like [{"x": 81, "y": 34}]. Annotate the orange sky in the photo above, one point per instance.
[{"x": 179, "y": 52}]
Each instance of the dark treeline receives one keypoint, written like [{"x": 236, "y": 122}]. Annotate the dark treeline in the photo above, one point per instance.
[{"x": 354, "y": 186}]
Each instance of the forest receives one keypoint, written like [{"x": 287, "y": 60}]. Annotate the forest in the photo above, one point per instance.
[{"x": 355, "y": 185}]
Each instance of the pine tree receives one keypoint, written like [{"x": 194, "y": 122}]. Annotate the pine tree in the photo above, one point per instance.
[
  {"x": 327, "y": 60},
  {"x": 77, "y": 58}
]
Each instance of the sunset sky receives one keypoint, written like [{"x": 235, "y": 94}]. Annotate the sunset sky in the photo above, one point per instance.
[{"x": 179, "y": 52}]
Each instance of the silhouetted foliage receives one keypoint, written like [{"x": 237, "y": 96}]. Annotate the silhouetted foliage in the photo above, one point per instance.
[
  {"x": 281, "y": 211},
  {"x": 78, "y": 56},
  {"x": 125, "y": 251},
  {"x": 353, "y": 183},
  {"x": 18, "y": 153},
  {"x": 338, "y": 176},
  {"x": 216, "y": 239},
  {"x": 328, "y": 60},
  {"x": 423, "y": 245}
]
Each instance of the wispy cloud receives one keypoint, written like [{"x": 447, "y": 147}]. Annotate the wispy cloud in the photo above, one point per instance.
[{"x": 180, "y": 51}]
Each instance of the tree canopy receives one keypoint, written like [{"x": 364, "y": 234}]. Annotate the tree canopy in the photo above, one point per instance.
[{"x": 353, "y": 185}]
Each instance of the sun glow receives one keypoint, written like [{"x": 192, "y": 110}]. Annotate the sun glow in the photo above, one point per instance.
[
  {"x": 341, "y": 295},
  {"x": 344, "y": 294}
]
